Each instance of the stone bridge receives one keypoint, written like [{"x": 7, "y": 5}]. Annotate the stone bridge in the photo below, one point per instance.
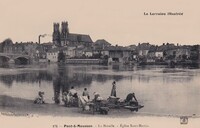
[{"x": 14, "y": 58}]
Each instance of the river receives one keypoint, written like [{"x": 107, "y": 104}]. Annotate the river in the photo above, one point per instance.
[{"x": 162, "y": 90}]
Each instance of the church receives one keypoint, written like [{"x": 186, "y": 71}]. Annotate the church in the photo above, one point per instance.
[{"x": 62, "y": 37}]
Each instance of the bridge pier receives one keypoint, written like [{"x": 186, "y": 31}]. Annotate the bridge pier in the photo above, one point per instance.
[{"x": 11, "y": 61}]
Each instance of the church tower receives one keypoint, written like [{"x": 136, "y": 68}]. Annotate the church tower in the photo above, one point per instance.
[
  {"x": 56, "y": 34},
  {"x": 64, "y": 33}
]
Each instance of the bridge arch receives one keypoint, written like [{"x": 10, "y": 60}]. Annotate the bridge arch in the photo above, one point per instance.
[
  {"x": 8, "y": 57},
  {"x": 22, "y": 60},
  {"x": 27, "y": 57},
  {"x": 4, "y": 59}
]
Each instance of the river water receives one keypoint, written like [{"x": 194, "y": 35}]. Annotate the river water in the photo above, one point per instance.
[{"x": 162, "y": 90}]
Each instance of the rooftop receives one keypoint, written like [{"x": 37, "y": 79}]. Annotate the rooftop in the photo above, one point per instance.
[{"x": 79, "y": 38}]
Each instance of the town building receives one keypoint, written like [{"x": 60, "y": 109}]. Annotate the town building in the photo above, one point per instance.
[
  {"x": 166, "y": 51},
  {"x": 194, "y": 53},
  {"x": 70, "y": 52},
  {"x": 199, "y": 53},
  {"x": 105, "y": 52},
  {"x": 118, "y": 54},
  {"x": 183, "y": 52},
  {"x": 151, "y": 56},
  {"x": 159, "y": 54},
  {"x": 79, "y": 52},
  {"x": 1, "y": 48},
  {"x": 132, "y": 47},
  {"x": 40, "y": 53},
  {"x": 88, "y": 52},
  {"x": 25, "y": 48},
  {"x": 47, "y": 46},
  {"x": 143, "y": 49},
  {"x": 101, "y": 44},
  {"x": 52, "y": 55}
]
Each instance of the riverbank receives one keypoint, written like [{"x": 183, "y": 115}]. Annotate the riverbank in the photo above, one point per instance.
[
  {"x": 18, "y": 106},
  {"x": 12, "y": 106},
  {"x": 23, "y": 113}
]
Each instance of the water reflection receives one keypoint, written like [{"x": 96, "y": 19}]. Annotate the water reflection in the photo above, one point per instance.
[
  {"x": 31, "y": 77},
  {"x": 148, "y": 82},
  {"x": 59, "y": 83},
  {"x": 7, "y": 80},
  {"x": 63, "y": 77}
]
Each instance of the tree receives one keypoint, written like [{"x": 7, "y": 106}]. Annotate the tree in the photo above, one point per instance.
[
  {"x": 184, "y": 57},
  {"x": 7, "y": 41},
  {"x": 61, "y": 57},
  {"x": 194, "y": 53},
  {"x": 8, "y": 44}
]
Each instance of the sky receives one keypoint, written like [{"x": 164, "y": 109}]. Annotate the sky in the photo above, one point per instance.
[{"x": 119, "y": 22}]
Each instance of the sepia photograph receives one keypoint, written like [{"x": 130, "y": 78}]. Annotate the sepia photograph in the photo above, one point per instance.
[{"x": 99, "y": 64}]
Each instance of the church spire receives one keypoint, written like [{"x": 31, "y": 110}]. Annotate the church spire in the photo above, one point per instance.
[
  {"x": 64, "y": 33},
  {"x": 56, "y": 34}
]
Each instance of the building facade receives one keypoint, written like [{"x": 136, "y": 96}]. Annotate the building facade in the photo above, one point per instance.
[
  {"x": 52, "y": 55},
  {"x": 62, "y": 36}
]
